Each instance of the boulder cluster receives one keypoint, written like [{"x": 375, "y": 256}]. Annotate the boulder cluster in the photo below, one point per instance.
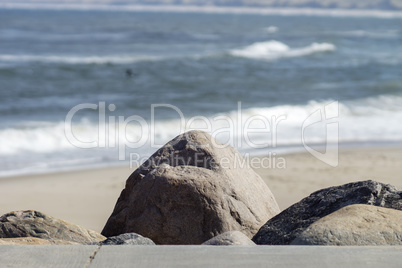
[{"x": 195, "y": 190}]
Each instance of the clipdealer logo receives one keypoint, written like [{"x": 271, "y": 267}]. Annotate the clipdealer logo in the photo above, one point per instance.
[
  {"x": 327, "y": 117},
  {"x": 113, "y": 131}
]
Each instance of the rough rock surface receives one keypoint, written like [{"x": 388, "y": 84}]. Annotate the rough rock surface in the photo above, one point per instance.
[
  {"x": 355, "y": 225},
  {"x": 290, "y": 223},
  {"x": 32, "y": 223},
  {"x": 233, "y": 238},
  {"x": 127, "y": 239},
  {"x": 190, "y": 191},
  {"x": 34, "y": 241}
]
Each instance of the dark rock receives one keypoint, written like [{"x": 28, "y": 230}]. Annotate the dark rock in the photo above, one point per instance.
[
  {"x": 189, "y": 191},
  {"x": 355, "y": 225},
  {"x": 127, "y": 239},
  {"x": 286, "y": 226},
  {"x": 233, "y": 238},
  {"x": 32, "y": 223}
]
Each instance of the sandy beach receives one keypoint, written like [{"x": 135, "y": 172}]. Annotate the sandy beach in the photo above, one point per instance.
[{"x": 87, "y": 197}]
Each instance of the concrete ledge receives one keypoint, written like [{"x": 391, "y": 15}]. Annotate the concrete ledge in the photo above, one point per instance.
[
  {"x": 199, "y": 256},
  {"x": 45, "y": 256}
]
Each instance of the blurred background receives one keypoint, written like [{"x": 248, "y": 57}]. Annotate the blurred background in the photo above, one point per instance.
[{"x": 277, "y": 58}]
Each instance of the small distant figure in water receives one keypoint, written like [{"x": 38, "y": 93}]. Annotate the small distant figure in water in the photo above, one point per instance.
[{"x": 129, "y": 73}]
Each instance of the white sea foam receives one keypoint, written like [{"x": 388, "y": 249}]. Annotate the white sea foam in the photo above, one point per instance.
[
  {"x": 271, "y": 29},
  {"x": 369, "y": 119},
  {"x": 371, "y": 34},
  {"x": 43, "y": 146},
  {"x": 271, "y": 50},
  {"x": 113, "y": 59}
]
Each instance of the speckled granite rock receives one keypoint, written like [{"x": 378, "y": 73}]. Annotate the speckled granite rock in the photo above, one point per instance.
[
  {"x": 355, "y": 225},
  {"x": 190, "y": 190},
  {"x": 290, "y": 223},
  {"x": 34, "y": 241},
  {"x": 127, "y": 239},
  {"x": 30, "y": 223},
  {"x": 233, "y": 238}
]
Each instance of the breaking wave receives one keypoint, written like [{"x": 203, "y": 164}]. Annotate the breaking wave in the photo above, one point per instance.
[
  {"x": 271, "y": 50},
  {"x": 368, "y": 119}
]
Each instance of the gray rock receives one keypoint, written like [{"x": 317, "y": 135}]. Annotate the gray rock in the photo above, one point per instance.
[
  {"x": 286, "y": 226},
  {"x": 355, "y": 225},
  {"x": 190, "y": 191},
  {"x": 30, "y": 223},
  {"x": 233, "y": 238},
  {"x": 127, "y": 239}
]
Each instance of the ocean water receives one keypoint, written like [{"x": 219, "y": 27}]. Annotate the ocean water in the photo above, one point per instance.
[{"x": 131, "y": 81}]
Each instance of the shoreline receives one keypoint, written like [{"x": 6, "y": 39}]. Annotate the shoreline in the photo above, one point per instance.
[
  {"x": 87, "y": 197},
  {"x": 280, "y": 151}
]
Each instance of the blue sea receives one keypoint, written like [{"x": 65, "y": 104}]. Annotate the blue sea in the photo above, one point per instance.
[{"x": 82, "y": 88}]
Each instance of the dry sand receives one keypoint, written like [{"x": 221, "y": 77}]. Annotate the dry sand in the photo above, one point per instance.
[{"x": 87, "y": 197}]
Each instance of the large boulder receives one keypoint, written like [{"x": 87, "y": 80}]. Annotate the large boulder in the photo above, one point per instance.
[
  {"x": 286, "y": 226},
  {"x": 233, "y": 238},
  {"x": 30, "y": 223},
  {"x": 355, "y": 225},
  {"x": 127, "y": 239},
  {"x": 190, "y": 190}
]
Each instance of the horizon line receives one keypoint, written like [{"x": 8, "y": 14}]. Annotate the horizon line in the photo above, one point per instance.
[{"x": 211, "y": 9}]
